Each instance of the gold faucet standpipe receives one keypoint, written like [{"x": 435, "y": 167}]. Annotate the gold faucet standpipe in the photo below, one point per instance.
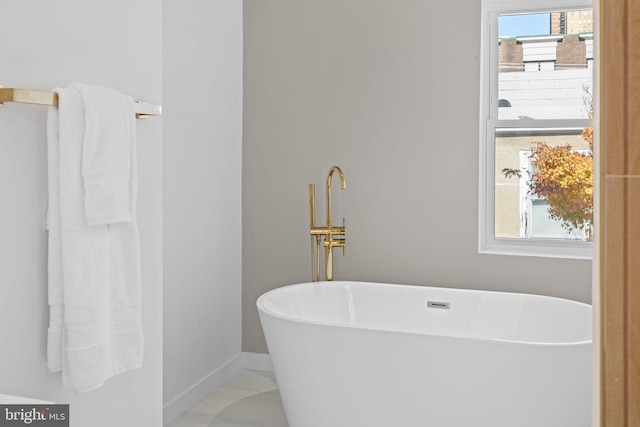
[
  {"x": 329, "y": 232},
  {"x": 315, "y": 239}
]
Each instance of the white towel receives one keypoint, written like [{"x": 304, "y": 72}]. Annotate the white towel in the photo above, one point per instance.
[
  {"x": 106, "y": 155},
  {"x": 95, "y": 327}
]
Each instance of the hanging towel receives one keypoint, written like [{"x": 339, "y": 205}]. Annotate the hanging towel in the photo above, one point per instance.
[
  {"x": 106, "y": 154},
  {"x": 95, "y": 328}
]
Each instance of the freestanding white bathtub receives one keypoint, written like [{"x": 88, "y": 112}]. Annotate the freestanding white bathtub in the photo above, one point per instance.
[{"x": 353, "y": 354}]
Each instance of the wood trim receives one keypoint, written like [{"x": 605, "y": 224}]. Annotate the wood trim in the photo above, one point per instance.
[{"x": 620, "y": 225}]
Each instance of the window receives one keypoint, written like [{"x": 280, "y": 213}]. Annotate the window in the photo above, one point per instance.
[{"x": 535, "y": 102}]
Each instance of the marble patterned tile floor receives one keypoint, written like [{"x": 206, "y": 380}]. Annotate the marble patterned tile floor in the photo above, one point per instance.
[{"x": 249, "y": 399}]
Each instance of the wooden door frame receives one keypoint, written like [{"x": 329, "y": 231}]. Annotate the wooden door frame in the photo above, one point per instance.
[{"x": 619, "y": 208}]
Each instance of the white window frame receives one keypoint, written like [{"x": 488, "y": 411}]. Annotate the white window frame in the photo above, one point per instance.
[{"x": 487, "y": 242}]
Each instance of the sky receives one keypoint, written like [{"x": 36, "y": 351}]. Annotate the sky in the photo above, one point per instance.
[{"x": 524, "y": 25}]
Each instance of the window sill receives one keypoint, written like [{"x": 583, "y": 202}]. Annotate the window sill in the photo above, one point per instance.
[{"x": 547, "y": 248}]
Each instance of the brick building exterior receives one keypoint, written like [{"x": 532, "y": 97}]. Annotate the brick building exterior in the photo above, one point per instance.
[
  {"x": 510, "y": 55},
  {"x": 572, "y": 22},
  {"x": 571, "y": 51}
]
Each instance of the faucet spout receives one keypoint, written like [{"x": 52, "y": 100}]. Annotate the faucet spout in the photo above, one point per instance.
[{"x": 343, "y": 185}]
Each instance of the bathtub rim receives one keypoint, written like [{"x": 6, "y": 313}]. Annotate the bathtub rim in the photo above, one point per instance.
[{"x": 264, "y": 310}]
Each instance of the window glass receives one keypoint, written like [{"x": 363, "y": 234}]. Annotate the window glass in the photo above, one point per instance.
[
  {"x": 522, "y": 186},
  {"x": 561, "y": 82}
]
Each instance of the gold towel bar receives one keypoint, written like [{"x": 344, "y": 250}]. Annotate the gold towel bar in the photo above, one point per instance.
[{"x": 28, "y": 96}]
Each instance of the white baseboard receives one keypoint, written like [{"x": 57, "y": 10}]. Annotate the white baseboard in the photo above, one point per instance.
[
  {"x": 185, "y": 400},
  {"x": 256, "y": 361}
]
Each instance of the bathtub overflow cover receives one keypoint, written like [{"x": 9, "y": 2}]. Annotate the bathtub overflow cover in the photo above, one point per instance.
[{"x": 437, "y": 304}]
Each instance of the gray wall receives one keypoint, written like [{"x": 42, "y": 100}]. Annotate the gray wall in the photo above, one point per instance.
[
  {"x": 202, "y": 203},
  {"x": 46, "y": 44},
  {"x": 389, "y": 91}
]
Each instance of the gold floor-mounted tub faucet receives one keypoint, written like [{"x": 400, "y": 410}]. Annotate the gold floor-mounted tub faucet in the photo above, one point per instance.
[{"x": 330, "y": 233}]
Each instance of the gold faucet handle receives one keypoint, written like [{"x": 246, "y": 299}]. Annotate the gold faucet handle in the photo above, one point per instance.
[{"x": 344, "y": 244}]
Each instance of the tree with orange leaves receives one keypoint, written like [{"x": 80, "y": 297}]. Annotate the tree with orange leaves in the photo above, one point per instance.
[{"x": 564, "y": 178}]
